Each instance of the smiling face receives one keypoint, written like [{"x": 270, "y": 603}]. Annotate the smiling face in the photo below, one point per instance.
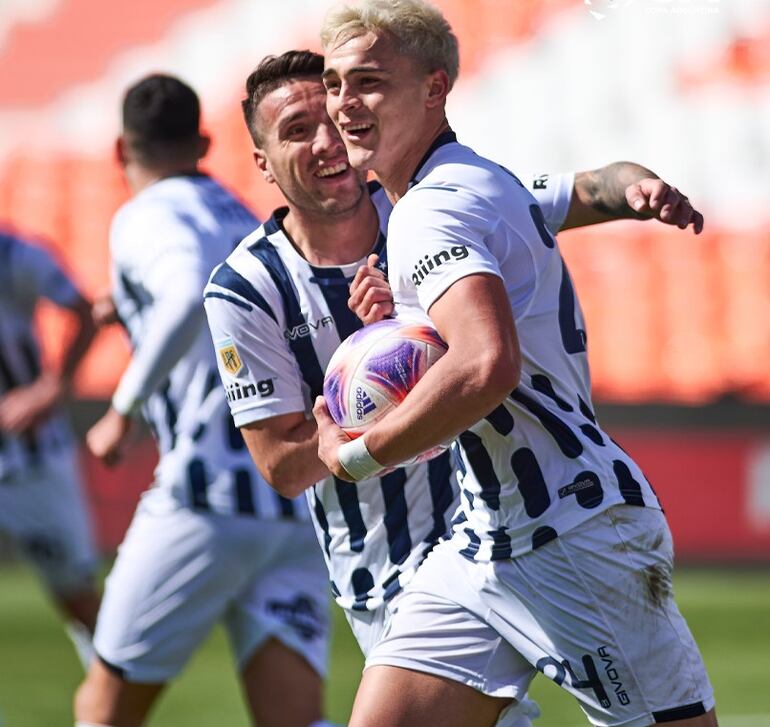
[
  {"x": 302, "y": 152},
  {"x": 387, "y": 108}
]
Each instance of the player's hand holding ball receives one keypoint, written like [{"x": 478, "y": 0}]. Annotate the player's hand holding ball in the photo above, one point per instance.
[{"x": 371, "y": 373}]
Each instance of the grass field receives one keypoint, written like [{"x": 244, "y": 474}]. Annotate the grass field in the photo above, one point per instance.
[{"x": 729, "y": 612}]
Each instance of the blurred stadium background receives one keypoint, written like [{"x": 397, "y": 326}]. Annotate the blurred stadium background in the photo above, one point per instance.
[{"x": 678, "y": 325}]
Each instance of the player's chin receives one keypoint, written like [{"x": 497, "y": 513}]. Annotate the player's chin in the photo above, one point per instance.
[{"x": 360, "y": 157}]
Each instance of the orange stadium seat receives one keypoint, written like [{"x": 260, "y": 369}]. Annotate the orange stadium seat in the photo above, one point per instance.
[{"x": 83, "y": 36}]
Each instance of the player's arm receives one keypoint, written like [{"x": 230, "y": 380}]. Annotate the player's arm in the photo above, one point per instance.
[
  {"x": 26, "y": 406},
  {"x": 174, "y": 279},
  {"x": 285, "y": 450},
  {"x": 481, "y": 367},
  {"x": 624, "y": 190}
]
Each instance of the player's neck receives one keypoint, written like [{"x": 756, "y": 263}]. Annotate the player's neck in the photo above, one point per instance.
[
  {"x": 395, "y": 178},
  {"x": 334, "y": 240},
  {"x": 139, "y": 177}
]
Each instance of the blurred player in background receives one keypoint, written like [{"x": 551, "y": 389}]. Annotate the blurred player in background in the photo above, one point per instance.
[
  {"x": 42, "y": 505},
  {"x": 560, "y": 546},
  {"x": 210, "y": 541},
  {"x": 280, "y": 303}
]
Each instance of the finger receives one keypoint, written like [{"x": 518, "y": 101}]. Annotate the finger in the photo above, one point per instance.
[
  {"x": 321, "y": 411},
  {"x": 697, "y": 222},
  {"x": 684, "y": 216},
  {"x": 670, "y": 212},
  {"x": 636, "y": 198},
  {"x": 372, "y": 261},
  {"x": 377, "y": 312},
  {"x": 658, "y": 193}
]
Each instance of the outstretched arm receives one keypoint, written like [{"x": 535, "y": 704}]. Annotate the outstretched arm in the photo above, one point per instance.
[{"x": 624, "y": 190}]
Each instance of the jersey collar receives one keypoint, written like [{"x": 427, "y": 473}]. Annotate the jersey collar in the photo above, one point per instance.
[{"x": 446, "y": 137}]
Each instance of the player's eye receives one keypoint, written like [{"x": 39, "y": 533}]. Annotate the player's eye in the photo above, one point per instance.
[
  {"x": 332, "y": 86},
  {"x": 296, "y": 132}
]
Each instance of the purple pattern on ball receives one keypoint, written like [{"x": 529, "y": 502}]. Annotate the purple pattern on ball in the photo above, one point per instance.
[{"x": 393, "y": 367}]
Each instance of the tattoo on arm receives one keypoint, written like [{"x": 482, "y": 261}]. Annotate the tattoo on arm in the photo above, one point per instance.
[{"x": 605, "y": 189}]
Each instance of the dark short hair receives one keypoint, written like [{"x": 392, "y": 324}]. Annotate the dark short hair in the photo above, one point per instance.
[
  {"x": 273, "y": 72},
  {"x": 160, "y": 111}
]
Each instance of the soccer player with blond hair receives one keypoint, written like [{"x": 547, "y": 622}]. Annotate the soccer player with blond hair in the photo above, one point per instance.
[{"x": 561, "y": 554}]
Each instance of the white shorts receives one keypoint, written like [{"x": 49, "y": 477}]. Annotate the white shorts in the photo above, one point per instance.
[
  {"x": 44, "y": 511},
  {"x": 178, "y": 572},
  {"x": 445, "y": 623},
  {"x": 593, "y": 610}
]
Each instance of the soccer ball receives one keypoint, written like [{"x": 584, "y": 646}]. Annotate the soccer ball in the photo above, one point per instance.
[{"x": 375, "y": 368}]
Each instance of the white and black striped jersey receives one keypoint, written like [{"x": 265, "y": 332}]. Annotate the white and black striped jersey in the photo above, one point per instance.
[
  {"x": 164, "y": 243},
  {"x": 27, "y": 274},
  {"x": 276, "y": 320},
  {"x": 539, "y": 464}
]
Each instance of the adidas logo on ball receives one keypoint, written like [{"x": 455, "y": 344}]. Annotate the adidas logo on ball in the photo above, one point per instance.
[{"x": 363, "y": 403}]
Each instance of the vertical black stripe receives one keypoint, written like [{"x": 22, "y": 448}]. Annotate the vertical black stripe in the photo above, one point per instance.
[
  {"x": 320, "y": 515},
  {"x": 171, "y": 415},
  {"x": 396, "y": 522},
  {"x": 244, "y": 496},
  {"x": 301, "y": 346},
  {"x": 442, "y": 494},
  {"x": 532, "y": 487},
  {"x": 501, "y": 544},
  {"x": 196, "y": 477},
  {"x": 347, "y": 494},
  {"x": 335, "y": 288},
  {"x": 568, "y": 443},
  {"x": 470, "y": 550},
  {"x": 362, "y": 582},
  {"x": 481, "y": 464},
  {"x": 501, "y": 420},
  {"x": 630, "y": 489},
  {"x": 543, "y": 384}
]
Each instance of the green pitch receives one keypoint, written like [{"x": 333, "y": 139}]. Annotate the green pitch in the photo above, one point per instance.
[{"x": 729, "y": 612}]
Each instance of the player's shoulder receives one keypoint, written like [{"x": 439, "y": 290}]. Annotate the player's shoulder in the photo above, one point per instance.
[{"x": 243, "y": 280}]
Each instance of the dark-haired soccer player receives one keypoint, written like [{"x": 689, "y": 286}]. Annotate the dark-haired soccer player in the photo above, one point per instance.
[
  {"x": 560, "y": 548},
  {"x": 41, "y": 502},
  {"x": 210, "y": 541}
]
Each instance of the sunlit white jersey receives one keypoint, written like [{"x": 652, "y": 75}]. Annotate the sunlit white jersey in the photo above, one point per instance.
[
  {"x": 276, "y": 320},
  {"x": 539, "y": 464},
  {"x": 27, "y": 274},
  {"x": 164, "y": 243}
]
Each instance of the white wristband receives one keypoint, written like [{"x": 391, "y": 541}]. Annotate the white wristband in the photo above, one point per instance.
[{"x": 358, "y": 463}]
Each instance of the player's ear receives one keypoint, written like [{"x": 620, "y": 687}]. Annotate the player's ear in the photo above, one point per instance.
[
  {"x": 263, "y": 165},
  {"x": 437, "y": 89},
  {"x": 120, "y": 151},
  {"x": 204, "y": 144}
]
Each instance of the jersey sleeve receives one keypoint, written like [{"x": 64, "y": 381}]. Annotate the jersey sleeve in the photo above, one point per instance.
[
  {"x": 161, "y": 250},
  {"x": 442, "y": 231},
  {"x": 35, "y": 272},
  {"x": 553, "y": 193},
  {"x": 258, "y": 371}
]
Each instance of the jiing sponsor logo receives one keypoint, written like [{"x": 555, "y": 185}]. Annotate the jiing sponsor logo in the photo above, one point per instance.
[
  {"x": 237, "y": 391},
  {"x": 431, "y": 262}
]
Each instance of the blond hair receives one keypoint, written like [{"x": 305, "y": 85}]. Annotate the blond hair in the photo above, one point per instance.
[{"x": 420, "y": 30}]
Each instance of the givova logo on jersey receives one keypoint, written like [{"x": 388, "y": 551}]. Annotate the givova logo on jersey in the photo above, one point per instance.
[{"x": 430, "y": 262}]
